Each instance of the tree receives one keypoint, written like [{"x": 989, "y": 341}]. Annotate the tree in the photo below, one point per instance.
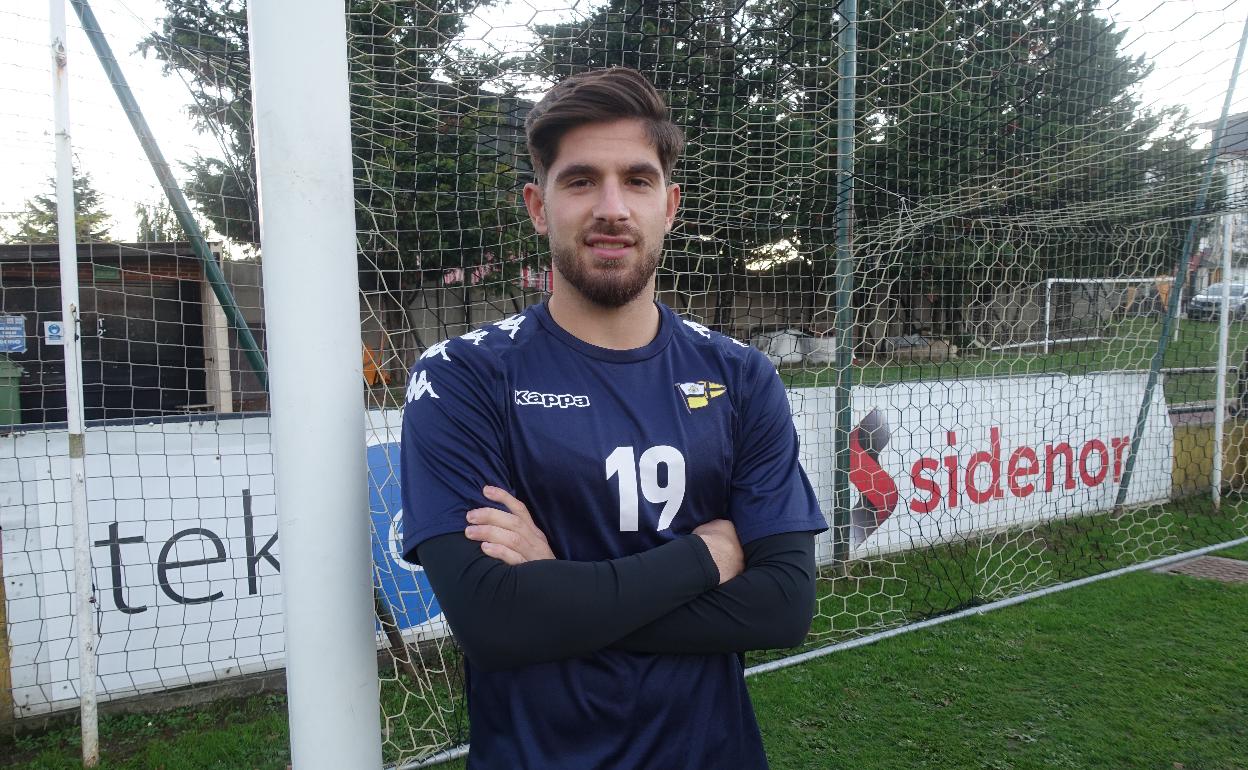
[
  {"x": 37, "y": 222},
  {"x": 157, "y": 224},
  {"x": 1008, "y": 141},
  {"x": 436, "y": 156},
  {"x": 996, "y": 142}
]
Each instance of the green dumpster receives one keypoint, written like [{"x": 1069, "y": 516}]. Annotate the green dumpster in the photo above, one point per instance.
[{"x": 10, "y": 392}]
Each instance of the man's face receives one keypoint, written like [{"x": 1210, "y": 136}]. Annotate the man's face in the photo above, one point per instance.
[{"x": 605, "y": 208}]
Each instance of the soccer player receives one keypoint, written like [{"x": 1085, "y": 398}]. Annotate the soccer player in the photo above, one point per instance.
[{"x": 606, "y": 497}]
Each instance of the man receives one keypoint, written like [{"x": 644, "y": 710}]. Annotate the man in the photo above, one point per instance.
[{"x": 606, "y": 498}]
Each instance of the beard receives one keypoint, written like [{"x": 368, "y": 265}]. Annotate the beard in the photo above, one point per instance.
[{"x": 612, "y": 286}]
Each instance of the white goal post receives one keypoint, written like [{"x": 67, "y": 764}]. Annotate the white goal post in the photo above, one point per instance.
[
  {"x": 303, "y": 140},
  {"x": 1049, "y": 283}
]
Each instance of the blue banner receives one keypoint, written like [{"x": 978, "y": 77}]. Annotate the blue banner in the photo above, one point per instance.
[{"x": 404, "y": 587}]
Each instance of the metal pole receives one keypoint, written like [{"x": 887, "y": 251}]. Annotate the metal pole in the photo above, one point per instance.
[
  {"x": 847, "y": 80},
  {"x": 1180, "y": 273},
  {"x": 1219, "y": 420},
  {"x": 307, "y": 231},
  {"x": 1178, "y": 317},
  {"x": 1048, "y": 311},
  {"x": 67, "y": 239},
  {"x": 173, "y": 193}
]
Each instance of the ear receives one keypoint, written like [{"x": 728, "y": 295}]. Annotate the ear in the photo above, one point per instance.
[
  {"x": 673, "y": 203},
  {"x": 536, "y": 204}
]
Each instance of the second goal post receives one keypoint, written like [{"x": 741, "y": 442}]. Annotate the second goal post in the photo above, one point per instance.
[{"x": 1086, "y": 309}]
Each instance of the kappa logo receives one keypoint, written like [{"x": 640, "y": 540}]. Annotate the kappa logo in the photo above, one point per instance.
[
  {"x": 418, "y": 387},
  {"x": 548, "y": 400},
  {"x": 699, "y": 394},
  {"x": 699, "y": 328},
  {"x": 437, "y": 349},
  {"x": 511, "y": 325}
]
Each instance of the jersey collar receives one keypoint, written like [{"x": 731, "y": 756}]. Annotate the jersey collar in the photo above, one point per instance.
[{"x": 654, "y": 347}]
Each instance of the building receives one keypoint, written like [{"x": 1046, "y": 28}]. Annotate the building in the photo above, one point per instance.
[{"x": 155, "y": 341}]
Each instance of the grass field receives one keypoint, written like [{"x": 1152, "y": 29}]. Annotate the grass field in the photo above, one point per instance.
[
  {"x": 1131, "y": 346},
  {"x": 1145, "y": 670}
]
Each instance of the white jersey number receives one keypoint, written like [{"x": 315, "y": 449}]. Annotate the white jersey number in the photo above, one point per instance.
[{"x": 623, "y": 465}]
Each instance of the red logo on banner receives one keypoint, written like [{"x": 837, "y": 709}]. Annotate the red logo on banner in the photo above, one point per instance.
[{"x": 879, "y": 491}]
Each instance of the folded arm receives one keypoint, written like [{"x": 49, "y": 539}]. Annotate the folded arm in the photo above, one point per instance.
[
  {"x": 769, "y": 605},
  {"x": 506, "y": 616}
]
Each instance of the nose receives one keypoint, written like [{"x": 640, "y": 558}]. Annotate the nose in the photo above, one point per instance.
[{"x": 611, "y": 206}]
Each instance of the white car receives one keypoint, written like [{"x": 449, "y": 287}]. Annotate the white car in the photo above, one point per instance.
[{"x": 1207, "y": 305}]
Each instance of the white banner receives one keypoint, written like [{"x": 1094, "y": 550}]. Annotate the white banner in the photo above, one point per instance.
[
  {"x": 185, "y": 555},
  {"x": 937, "y": 461},
  {"x": 184, "y": 528}
]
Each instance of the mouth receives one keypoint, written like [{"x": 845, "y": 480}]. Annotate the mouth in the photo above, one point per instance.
[{"x": 608, "y": 247}]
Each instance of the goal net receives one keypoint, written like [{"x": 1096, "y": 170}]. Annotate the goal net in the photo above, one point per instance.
[
  {"x": 1025, "y": 177},
  {"x": 1097, "y": 310}
]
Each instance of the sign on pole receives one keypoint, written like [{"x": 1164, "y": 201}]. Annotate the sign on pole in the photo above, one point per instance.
[
  {"x": 53, "y": 333},
  {"x": 12, "y": 334}
]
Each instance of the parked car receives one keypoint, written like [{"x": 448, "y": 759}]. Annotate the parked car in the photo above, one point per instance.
[{"x": 1206, "y": 305}]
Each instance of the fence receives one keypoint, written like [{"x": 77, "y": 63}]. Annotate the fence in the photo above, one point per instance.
[{"x": 963, "y": 267}]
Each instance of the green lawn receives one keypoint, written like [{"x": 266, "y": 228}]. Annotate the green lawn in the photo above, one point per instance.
[
  {"x": 232, "y": 734},
  {"x": 1145, "y": 670},
  {"x": 908, "y": 586},
  {"x": 1238, "y": 552},
  {"x": 1139, "y": 671},
  {"x": 1131, "y": 346}
]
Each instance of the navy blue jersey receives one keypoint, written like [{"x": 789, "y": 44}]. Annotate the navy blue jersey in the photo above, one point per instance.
[{"x": 614, "y": 452}]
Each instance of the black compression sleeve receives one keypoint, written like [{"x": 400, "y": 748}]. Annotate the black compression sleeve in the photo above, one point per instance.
[
  {"x": 540, "y": 611},
  {"x": 769, "y": 605}
]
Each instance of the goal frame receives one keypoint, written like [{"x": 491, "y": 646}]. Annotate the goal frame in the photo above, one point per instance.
[{"x": 1048, "y": 303}]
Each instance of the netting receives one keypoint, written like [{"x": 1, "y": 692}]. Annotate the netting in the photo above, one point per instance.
[
  {"x": 1025, "y": 177},
  {"x": 178, "y": 470}
]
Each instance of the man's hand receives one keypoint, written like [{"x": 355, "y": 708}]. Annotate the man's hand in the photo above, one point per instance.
[
  {"x": 512, "y": 537},
  {"x": 721, "y": 538}
]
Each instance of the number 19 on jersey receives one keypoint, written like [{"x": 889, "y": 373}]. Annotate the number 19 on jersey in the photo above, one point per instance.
[{"x": 623, "y": 465}]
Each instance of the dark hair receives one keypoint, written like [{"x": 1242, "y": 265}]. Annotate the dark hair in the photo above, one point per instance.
[{"x": 599, "y": 96}]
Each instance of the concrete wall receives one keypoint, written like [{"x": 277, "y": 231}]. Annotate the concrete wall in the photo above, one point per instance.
[{"x": 1193, "y": 454}]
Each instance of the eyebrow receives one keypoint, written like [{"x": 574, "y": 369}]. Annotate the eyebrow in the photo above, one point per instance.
[{"x": 642, "y": 168}]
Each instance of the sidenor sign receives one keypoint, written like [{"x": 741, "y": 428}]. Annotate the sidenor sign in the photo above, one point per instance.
[{"x": 937, "y": 461}]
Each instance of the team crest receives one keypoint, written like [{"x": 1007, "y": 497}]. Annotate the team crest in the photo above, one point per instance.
[{"x": 699, "y": 394}]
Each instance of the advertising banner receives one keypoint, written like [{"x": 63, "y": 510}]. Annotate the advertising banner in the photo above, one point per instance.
[
  {"x": 185, "y": 553},
  {"x": 187, "y": 560},
  {"x": 12, "y": 334},
  {"x": 933, "y": 462}
]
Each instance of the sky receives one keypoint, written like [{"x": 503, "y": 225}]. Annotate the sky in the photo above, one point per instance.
[
  {"x": 103, "y": 141},
  {"x": 1192, "y": 44}
]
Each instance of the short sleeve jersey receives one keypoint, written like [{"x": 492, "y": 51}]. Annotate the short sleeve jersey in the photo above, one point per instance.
[{"x": 614, "y": 452}]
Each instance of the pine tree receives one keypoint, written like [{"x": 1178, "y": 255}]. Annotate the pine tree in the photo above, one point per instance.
[
  {"x": 157, "y": 224},
  {"x": 37, "y": 222}
]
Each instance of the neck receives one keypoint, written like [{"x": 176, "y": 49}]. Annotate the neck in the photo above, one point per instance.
[{"x": 629, "y": 326}]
